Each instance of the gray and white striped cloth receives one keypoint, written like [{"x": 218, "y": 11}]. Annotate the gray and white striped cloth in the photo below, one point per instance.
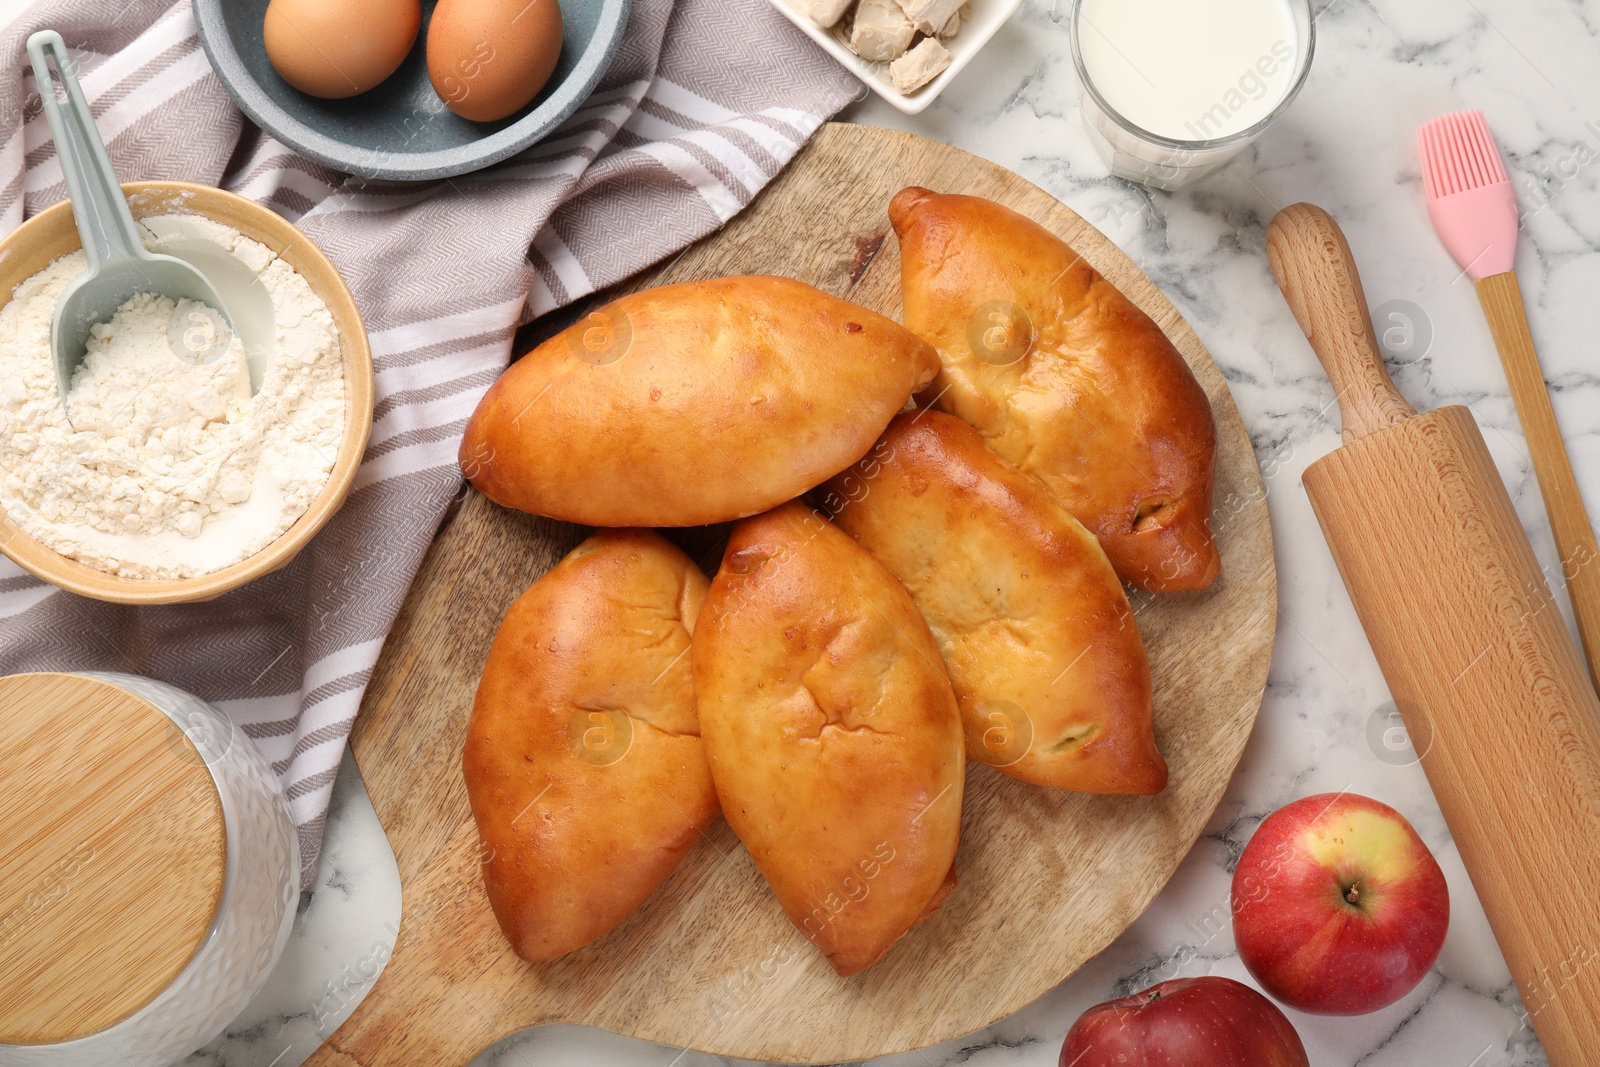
[{"x": 706, "y": 101}]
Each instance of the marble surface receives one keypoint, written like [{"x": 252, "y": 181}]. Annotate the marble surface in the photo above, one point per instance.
[{"x": 1382, "y": 67}]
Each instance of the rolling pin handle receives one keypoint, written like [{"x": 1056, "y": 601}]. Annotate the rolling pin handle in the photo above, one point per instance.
[{"x": 1314, "y": 267}]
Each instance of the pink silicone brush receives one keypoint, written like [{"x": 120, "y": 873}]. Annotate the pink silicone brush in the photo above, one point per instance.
[{"x": 1474, "y": 209}]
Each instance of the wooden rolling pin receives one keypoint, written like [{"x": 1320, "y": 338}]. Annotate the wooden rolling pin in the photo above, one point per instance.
[{"x": 1470, "y": 641}]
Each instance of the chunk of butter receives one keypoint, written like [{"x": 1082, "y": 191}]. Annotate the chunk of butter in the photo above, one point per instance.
[
  {"x": 881, "y": 31},
  {"x": 952, "y": 25},
  {"x": 826, "y": 13},
  {"x": 930, "y": 16},
  {"x": 919, "y": 66}
]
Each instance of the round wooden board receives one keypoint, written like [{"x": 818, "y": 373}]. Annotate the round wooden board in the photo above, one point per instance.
[{"x": 1048, "y": 879}]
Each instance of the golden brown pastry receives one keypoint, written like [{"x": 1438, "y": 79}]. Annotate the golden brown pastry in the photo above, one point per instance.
[
  {"x": 1065, "y": 378},
  {"x": 583, "y": 759},
  {"x": 832, "y": 733},
  {"x": 1036, "y": 632},
  {"x": 692, "y": 404}
]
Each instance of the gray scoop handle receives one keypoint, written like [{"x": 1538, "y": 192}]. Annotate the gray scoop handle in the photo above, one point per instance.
[{"x": 104, "y": 221}]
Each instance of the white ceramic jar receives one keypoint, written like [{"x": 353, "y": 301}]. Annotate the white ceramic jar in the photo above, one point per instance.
[{"x": 151, "y": 871}]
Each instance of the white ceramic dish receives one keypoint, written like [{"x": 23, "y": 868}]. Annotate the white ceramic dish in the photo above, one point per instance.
[{"x": 987, "y": 18}]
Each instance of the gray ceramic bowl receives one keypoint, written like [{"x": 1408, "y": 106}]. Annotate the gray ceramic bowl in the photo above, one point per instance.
[{"x": 401, "y": 129}]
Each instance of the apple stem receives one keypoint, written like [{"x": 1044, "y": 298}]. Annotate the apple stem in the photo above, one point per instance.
[{"x": 1353, "y": 894}]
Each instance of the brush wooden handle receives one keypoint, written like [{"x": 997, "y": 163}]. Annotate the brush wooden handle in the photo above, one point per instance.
[
  {"x": 1480, "y": 665},
  {"x": 1317, "y": 274},
  {"x": 1575, "y": 539}
]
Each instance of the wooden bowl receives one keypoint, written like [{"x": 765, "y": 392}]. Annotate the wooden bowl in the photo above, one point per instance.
[{"x": 53, "y": 233}]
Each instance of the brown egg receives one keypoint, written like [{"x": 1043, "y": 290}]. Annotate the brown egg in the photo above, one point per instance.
[
  {"x": 488, "y": 58},
  {"x": 338, "y": 48}
]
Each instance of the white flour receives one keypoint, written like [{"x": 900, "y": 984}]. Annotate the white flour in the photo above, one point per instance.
[{"x": 169, "y": 468}]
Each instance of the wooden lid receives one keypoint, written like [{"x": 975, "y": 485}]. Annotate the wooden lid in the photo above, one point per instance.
[{"x": 113, "y": 860}]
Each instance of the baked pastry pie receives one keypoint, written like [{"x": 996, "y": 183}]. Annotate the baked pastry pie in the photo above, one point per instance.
[
  {"x": 832, "y": 733},
  {"x": 1036, "y": 632},
  {"x": 583, "y": 759},
  {"x": 692, "y": 404},
  {"x": 1066, "y": 379}
]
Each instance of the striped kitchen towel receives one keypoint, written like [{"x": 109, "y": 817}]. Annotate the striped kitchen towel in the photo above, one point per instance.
[{"x": 707, "y": 100}]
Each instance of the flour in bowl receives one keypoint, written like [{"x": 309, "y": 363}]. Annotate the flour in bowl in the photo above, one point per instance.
[{"x": 168, "y": 467}]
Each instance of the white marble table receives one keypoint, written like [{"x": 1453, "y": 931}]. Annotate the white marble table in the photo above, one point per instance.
[{"x": 1382, "y": 67}]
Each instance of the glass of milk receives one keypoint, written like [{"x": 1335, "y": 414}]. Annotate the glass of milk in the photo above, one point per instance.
[{"x": 1172, "y": 89}]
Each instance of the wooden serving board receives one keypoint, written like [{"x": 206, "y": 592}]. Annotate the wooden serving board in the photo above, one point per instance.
[{"x": 1047, "y": 879}]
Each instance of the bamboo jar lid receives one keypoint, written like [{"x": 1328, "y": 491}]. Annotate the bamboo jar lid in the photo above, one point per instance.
[{"x": 114, "y": 858}]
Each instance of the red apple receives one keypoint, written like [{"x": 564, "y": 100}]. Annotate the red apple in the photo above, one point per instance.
[
  {"x": 1187, "y": 1022},
  {"x": 1338, "y": 906}
]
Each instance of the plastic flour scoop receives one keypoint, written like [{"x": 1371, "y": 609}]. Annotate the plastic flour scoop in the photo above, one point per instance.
[{"x": 120, "y": 267}]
